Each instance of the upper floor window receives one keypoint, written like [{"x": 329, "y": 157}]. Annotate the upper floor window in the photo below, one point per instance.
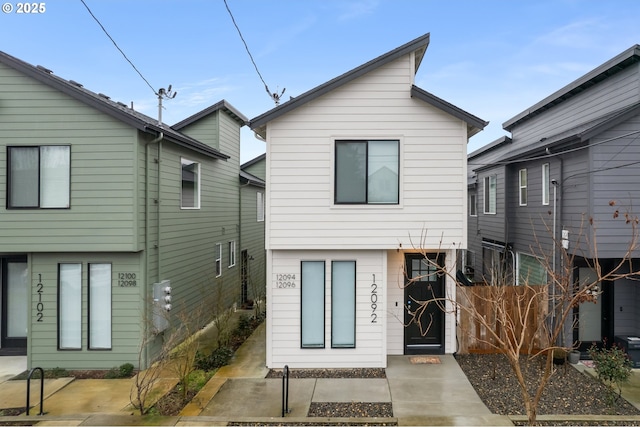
[
  {"x": 38, "y": 177},
  {"x": 490, "y": 194},
  {"x": 522, "y": 185},
  {"x": 218, "y": 259},
  {"x": 545, "y": 184},
  {"x": 260, "y": 206},
  {"x": 473, "y": 207},
  {"x": 190, "y": 191},
  {"x": 367, "y": 172}
]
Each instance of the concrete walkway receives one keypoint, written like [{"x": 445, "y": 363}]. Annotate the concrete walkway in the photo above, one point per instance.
[{"x": 421, "y": 393}]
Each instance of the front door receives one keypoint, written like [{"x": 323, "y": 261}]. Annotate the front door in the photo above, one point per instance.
[
  {"x": 15, "y": 281},
  {"x": 423, "y": 295},
  {"x": 594, "y": 321}
]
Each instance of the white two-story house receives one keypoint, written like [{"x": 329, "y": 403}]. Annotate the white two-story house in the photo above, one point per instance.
[{"x": 362, "y": 173}]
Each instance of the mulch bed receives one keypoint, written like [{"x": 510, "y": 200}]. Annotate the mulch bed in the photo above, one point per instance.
[
  {"x": 330, "y": 373},
  {"x": 569, "y": 392},
  {"x": 350, "y": 409}
]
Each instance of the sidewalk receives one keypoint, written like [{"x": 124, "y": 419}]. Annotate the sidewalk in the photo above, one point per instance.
[{"x": 420, "y": 393}]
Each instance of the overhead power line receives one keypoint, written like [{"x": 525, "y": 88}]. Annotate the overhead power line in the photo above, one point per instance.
[
  {"x": 274, "y": 95},
  {"x": 118, "y": 47}
]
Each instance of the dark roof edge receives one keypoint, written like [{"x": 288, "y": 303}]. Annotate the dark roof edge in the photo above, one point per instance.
[
  {"x": 475, "y": 122},
  {"x": 617, "y": 61},
  {"x": 247, "y": 178},
  {"x": 420, "y": 42},
  {"x": 503, "y": 140},
  {"x": 220, "y": 105},
  {"x": 132, "y": 118},
  {"x": 253, "y": 161}
]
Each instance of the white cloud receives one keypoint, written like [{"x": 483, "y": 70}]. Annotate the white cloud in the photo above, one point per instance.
[{"x": 354, "y": 10}]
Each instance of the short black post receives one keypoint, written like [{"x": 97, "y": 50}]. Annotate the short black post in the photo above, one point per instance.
[
  {"x": 285, "y": 390},
  {"x": 41, "y": 389}
]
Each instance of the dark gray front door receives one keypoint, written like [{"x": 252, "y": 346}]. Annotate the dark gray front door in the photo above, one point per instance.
[{"x": 424, "y": 324}]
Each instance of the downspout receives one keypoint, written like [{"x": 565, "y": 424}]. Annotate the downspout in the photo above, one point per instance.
[{"x": 147, "y": 227}]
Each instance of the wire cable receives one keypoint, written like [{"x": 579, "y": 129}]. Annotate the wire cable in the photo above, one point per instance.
[
  {"x": 118, "y": 47},
  {"x": 274, "y": 96}
]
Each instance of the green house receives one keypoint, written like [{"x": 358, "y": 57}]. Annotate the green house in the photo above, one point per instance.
[{"x": 115, "y": 228}]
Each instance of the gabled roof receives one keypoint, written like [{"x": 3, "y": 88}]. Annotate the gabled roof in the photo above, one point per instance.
[
  {"x": 418, "y": 45},
  {"x": 220, "y": 105},
  {"x": 614, "y": 65},
  {"x": 474, "y": 124},
  {"x": 104, "y": 104}
]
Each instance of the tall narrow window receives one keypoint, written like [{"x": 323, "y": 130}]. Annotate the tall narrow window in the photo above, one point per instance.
[
  {"x": 190, "y": 192},
  {"x": 39, "y": 177},
  {"x": 260, "y": 206},
  {"x": 545, "y": 184},
  {"x": 218, "y": 260},
  {"x": 232, "y": 253},
  {"x": 473, "y": 207},
  {"x": 312, "y": 304},
  {"x": 69, "y": 306},
  {"x": 367, "y": 172},
  {"x": 99, "y": 306},
  {"x": 343, "y": 304},
  {"x": 522, "y": 184},
  {"x": 490, "y": 196}
]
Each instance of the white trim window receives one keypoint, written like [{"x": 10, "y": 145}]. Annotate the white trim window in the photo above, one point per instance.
[
  {"x": 522, "y": 185},
  {"x": 232, "y": 253},
  {"x": 260, "y": 206},
  {"x": 367, "y": 172},
  {"x": 39, "y": 177},
  {"x": 70, "y": 306},
  {"x": 473, "y": 204},
  {"x": 490, "y": 194},
  {"x": 545, "y": 184},
  {"x": 99, "y": 306},
  {"x": 190, "y": 188},
  {"x": 218, "y": 259}
]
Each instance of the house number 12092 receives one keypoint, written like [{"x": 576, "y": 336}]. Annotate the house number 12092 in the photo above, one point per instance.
[{"x": 374, "y": 301}]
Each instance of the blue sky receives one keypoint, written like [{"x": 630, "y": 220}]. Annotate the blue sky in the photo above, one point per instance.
[{"x": 492, "y": 58}]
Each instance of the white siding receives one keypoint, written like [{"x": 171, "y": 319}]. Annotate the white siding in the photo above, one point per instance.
[
  {"x": 300, "y": 155},
  {"x": 283, "y": 339}
]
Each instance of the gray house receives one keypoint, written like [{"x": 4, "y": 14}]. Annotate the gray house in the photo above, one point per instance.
[
  {"x": 571, "y": 158},
  {"x": 109, "y": 220}
]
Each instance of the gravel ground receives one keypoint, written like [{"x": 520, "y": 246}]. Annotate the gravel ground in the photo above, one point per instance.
[
  {"x": 330, "y": 373},
  {"x": 568, "y": 392}
]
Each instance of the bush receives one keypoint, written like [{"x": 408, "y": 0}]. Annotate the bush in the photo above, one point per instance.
[
  {"x": 612, "y": 366},
  {"x": 219, "y": 357},
  {"x": 124, "y": 371}
]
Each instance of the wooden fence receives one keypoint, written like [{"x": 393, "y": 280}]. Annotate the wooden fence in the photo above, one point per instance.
[{"x": 501, "y": 308}]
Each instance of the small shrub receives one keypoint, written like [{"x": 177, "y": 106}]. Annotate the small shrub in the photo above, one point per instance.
[
  {"x": 124, "y": 371},
  {"x": 219, "y": 357},
  {"x": 613, "y": 367}
]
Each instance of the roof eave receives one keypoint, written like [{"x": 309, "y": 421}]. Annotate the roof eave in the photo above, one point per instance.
[
  {"x": 258, "y": 124},
  {"x": 220, "y": 105},
  {"x": 621, "y": 61},
  {"x": 474, "y": 123}
]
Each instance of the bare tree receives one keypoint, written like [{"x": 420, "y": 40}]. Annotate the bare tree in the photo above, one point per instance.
[{"x": 529, "y": 321}]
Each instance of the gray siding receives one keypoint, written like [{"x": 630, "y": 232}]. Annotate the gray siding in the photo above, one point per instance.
[
  {"x": 103, "y": 157},
  {"x": 614, "y": 93},
  {"x": 615, "y": 177},
  {"x": 492, "y": 226},
  {"x": 252, "y": 239}
]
